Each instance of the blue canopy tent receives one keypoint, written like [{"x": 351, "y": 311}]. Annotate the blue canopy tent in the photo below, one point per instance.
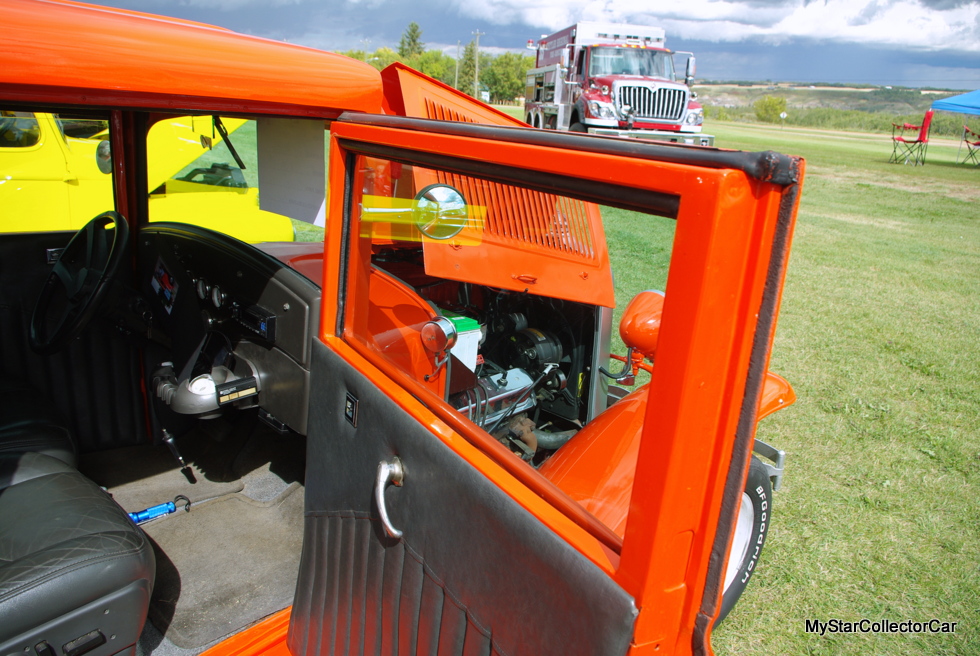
[{"x": 967, "y": 103}]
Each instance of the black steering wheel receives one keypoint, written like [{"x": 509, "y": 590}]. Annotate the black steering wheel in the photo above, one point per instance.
[{"x": 78, "y": 282}]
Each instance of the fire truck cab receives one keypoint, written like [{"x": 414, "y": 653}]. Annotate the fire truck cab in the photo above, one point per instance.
[{"x": 614, "y": 80}]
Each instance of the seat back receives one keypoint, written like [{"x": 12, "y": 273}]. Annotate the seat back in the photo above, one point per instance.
[{"x": 924, "y": 129}]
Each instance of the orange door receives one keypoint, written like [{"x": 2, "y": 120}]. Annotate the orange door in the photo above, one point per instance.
[{"x": 424, "y": 532}]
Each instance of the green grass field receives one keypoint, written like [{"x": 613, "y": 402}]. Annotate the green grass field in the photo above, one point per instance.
[{"x": 879, "y": 513}]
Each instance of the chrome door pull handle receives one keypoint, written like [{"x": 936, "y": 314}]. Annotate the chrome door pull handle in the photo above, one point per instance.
[{"x": 388, "y": 472}]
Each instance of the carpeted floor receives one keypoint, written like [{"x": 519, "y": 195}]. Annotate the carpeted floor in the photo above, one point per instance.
[
  {"x": 232, "y": 559},
  {"x": 225, "y": 564},
  {"x": 143, "y": 476}
]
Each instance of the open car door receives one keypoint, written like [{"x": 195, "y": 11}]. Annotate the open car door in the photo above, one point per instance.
[{"x": 424, "y": 533}]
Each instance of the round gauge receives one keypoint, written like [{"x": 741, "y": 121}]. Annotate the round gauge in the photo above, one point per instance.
[
  {"x": 203, "y": 288},
  {"x": 218, "y": 297}
]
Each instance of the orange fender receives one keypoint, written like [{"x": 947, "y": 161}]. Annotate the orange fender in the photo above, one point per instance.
[{"x": 596, "y": 468}]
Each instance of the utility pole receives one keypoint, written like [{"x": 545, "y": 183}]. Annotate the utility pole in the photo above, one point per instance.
[
  {"x": 476, "y": 62},
  {"x": 456, "y": 81}
]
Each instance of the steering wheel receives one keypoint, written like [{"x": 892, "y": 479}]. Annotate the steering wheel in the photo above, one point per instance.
[{"x": 78, "y": 282}]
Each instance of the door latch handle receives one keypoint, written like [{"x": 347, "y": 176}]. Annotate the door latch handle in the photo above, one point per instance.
[{"x": 388, "y": 472}]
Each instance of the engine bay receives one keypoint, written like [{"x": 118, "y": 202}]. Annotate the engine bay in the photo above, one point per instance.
[{"x": 523, "y": 367}]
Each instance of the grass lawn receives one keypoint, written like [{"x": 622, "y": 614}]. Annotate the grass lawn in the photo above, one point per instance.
[{"x": 879, "y": 513}]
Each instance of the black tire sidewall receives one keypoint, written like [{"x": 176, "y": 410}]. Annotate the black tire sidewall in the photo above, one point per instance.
[{"x": 759, "y": 488}]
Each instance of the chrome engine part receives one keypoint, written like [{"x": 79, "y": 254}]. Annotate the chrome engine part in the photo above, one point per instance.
[{"x": 495, "y": 396}]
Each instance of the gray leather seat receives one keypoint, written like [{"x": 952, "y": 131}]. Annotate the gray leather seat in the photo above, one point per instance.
[
  {"x": 29, "y": 422},
  {"x": 75, "y": 572}
]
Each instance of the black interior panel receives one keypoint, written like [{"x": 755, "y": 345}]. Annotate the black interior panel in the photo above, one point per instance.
[
  {"x": 474, "y": 573},
  {"x": 265, "y": 313},
  {"x": 95, "y": 382}
]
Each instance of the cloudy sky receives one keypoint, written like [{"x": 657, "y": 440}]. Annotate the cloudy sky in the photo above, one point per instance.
[{"x": 886, "y": 42}]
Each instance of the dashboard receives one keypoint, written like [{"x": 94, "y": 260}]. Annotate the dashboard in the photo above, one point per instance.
[{"x": 235, "y": 324}]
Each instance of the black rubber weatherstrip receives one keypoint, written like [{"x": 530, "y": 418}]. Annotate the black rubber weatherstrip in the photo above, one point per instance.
[
  {"x": 349, "y": 170},
  {"x": 747, "y": 417},
  {"x": 627, "y": 198},
  {"x": 765, "y": 166}
]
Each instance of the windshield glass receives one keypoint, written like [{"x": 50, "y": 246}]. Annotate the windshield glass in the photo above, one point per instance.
[{"x": 631, "y": 61}]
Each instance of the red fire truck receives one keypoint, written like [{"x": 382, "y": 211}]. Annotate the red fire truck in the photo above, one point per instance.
[{"x": 613, "y": 79}]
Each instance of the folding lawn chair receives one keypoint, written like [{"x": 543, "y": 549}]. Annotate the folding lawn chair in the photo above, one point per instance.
[
  {"x": 972, "y": 141},
  {"x": 904, "y": 148}
]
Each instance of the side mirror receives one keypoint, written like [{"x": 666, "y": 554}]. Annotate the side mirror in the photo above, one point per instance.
[
  {"x": 690, "y": 71},
  {"x": 103, "y": 156},
  {"x": 439, "y": 335},
  {"x": 640, "y": 330},
  {"x": 440, "y": 211},
  {"x": 640, "y": 325},
  {"x": 566, "y": 56}
]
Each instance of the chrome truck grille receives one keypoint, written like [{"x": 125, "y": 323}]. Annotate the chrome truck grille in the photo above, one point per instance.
[{"x": 647, "y": 103}]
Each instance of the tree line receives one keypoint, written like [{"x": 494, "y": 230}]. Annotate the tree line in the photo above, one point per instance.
[{"x": 502, "y": 76}]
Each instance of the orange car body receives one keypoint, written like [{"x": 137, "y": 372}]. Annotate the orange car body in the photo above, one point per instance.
[{"x": 662, "y": 536}]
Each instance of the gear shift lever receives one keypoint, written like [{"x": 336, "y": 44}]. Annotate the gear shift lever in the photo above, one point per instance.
[{"x": 184, "y": 469}]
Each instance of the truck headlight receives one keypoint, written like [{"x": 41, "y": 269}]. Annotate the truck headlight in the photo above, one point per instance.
[
  {"x": 695, "y": 117},
  {"x": 601, "y": 109}
]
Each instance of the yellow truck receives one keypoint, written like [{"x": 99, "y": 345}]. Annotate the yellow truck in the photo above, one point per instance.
[{"x": 55, "y": 175}]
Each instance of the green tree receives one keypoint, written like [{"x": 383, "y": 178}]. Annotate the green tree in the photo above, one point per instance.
[
  {"x": 768, "y": 108},
  {"x": 467, "y": 68},
  {"x": 434, "y": 64},
  {"x": 506, "y": 76},
  {"x": 360, "y": 55},
  {"x": 383, "y": 57},
  {"x": 411, "y": 44}
]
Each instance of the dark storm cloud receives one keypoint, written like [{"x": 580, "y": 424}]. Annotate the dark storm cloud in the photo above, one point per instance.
[{"x": 909, "y": 42}]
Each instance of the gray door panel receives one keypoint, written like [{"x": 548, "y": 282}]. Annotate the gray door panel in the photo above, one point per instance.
[{"x": 474, "y": 572}]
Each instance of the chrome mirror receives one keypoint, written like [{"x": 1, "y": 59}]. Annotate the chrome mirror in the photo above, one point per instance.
[
  {"x": 440, "y": 211},
  {"x": 438, "y": 336}
]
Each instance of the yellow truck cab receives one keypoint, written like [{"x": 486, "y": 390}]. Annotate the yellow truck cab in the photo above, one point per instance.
[{"x": 55, "y": 176}]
